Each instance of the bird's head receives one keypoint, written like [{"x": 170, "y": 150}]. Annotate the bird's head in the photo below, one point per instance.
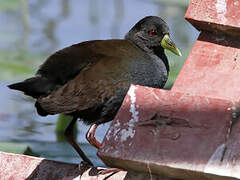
[{"x": 152, "y": 32}]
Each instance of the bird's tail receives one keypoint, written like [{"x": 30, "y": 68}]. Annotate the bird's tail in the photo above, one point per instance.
[{"x": 35, "y": 86}]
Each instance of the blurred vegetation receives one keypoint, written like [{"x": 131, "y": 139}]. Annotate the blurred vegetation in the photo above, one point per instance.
[
  {"x": 7, "y": 6},
  {"x": 18, "y": 64},
  {"x": 18, "y": 61},
  {"x": 62, "y": 124},
  {"x": 183, "y": 3},
  {"x": 176, "y": 64},
  {"x": 17, "y": 148}
]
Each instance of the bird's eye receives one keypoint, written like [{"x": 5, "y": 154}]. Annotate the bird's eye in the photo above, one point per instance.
[{"x": 152, "y": 32}]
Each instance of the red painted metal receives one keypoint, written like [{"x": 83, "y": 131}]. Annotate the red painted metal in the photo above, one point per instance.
[
  {"x": 20, "y": 167},
  {"x": 212, "y": 68},
  {"x": 167, "y": 129},
  {"x": 232, "y": 155},
  {"x": 215, "y": 15}
]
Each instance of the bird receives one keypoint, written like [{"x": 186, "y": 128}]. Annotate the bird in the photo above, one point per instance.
[{"x": 89, "y": 80}]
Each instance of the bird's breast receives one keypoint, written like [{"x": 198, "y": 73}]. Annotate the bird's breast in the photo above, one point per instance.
[{"x": 149, "y": 72}]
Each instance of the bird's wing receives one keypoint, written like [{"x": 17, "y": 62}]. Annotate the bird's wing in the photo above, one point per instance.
[
  {"x": 67, "y": 63},
  {"x": 90, "y": 88},
  {"x": 94, "y": 85}
]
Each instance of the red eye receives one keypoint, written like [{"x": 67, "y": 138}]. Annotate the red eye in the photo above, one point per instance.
[{"x": 152, "y": 33}]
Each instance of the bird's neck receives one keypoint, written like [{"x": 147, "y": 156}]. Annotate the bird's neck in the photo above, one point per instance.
[
  {"x": 158, "y": 50},
  {"x": 130, "y": 36}
]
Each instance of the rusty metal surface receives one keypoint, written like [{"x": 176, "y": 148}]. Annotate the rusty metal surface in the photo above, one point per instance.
[
  {"x": 168, "y": 133},
  {"x": 215, "y": 15}
]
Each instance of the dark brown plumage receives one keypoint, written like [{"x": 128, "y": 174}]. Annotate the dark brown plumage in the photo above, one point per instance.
[{"x": 90, "y": 79}]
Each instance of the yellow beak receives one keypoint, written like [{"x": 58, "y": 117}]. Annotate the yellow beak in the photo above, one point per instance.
[{"x": 168, "y": 44}]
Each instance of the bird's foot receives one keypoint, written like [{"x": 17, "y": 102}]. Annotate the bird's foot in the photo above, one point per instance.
[
  {"x": 84, "y": 166},
  {"x": 108, "y": 171}
]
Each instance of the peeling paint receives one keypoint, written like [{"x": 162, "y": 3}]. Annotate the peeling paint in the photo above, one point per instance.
[
  {"x": 109, "y": 134},
  {"x": 106, "y": 150},
  {"x": 126, "y": 133},
  {"x": 154, "y": 94},
  {"x": 236, "y": 3},
  {"x": 133, "y": 108},
  {"x": 129, "y": 131},
  {"x": 221, "y": 7},
  {"x": 116, "y": 137},
  {"x": 116, "y": 130},
  {"x": 113, "y": 130},
  {"x": 117, "y": 124}
]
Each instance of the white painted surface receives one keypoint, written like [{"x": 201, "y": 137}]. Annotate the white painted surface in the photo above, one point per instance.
[
  {"x": 215, "y": 166},
  {"x": 129, "y": 132},
  {"x": 221, "y": 7},
  {"x": 126, "y": 133},
  {"x": 133, "y": 108},
  {"x": 236, "y": 3}
]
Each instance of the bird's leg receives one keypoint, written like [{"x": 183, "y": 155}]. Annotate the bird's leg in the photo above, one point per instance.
[
  {"x": 90, "y": 136},
  {"x": 70, "y": 138}
]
